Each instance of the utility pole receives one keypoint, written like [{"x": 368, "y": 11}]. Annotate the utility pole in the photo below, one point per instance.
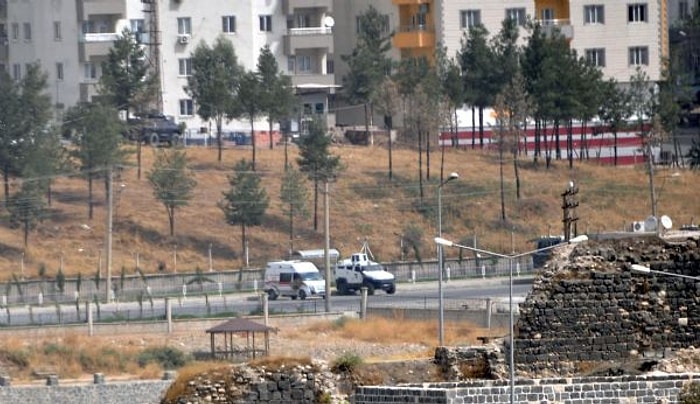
[
  {"x": 327, "y": 245},
  {"x": 569, "y": 205},
  {"x": 108, "y": 244}
]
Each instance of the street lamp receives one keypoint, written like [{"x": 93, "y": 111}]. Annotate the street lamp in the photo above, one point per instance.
[
  {"x": 441, "y": 311},
  {"x": 510, "y": 257},
  {"x": 647, "y": 270}
]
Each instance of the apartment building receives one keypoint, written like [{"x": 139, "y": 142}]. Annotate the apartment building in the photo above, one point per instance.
[{"x": 71, "y": 39}]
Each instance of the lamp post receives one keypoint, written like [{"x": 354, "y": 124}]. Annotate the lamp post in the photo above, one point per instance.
[
  {"x": 510, "y": 257},
  {"x": 647, "y": 270},
  {"x": 441, "y": 311}
]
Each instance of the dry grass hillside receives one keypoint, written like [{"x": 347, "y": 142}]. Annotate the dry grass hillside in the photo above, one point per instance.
[{"x": 363, "y": 204}]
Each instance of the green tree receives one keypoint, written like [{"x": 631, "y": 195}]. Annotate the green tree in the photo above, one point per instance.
[
  {"x": 476, "y": 59},
  {"x": 293, "y": 195},
  {"x": 276, "y": 91},
  {"x": 316, "y": 161},
  {"x": 45, "y": 159},
  {"x": 26, "y": 208},
  {"x": 368, "y": 63},
  {"x": 450, "y": 74},
  {"x": 60, "y": 281},
  {"x": 614, "y": 110},
  {"x": 251, "y": 106},
  {"x": 98, "y": 138},
  {"x": 388, "y": 102},
  {"x": 214, "y": 83},
  {"x": 245, "y": 202},
  {"x": 25, "y": 110},
  {"x": 126, "y": 82},
  {"x": 172, "y": 182}
]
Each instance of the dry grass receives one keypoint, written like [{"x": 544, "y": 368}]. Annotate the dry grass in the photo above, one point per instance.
[
  {"x": 363, "y": 204},
  {"x": 397, "y": 331}
]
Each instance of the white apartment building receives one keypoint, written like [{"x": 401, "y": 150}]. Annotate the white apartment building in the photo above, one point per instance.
[{"x": 71, "y": 38}]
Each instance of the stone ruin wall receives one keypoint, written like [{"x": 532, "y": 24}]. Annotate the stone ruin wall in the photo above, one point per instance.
[{"x": 593, "y": 308}]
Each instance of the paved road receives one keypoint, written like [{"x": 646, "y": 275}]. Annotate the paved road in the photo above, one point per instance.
[{"x": 456, "y": 293}]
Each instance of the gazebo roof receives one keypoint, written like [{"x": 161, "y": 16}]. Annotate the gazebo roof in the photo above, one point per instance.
[{"x": 239, "y": 325}]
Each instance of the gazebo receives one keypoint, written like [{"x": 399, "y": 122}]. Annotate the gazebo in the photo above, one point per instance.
[{"x": 236, "y": 326}]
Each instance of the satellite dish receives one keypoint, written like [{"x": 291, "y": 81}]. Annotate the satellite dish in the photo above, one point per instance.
[
  {"x": 328, "y": 21},
  {"x": 666, "y": 222},
  {"x": 651, "y": 224}
]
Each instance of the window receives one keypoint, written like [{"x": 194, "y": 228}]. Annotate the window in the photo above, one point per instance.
[
  {"x": 57, "y": 31},
  {"x": 547, "y": 14},
  {"x": 15, "y": 31},
  {"x": 137, "y": 25},
  {"x": 90, "y": 71},
  {"x": 517, "y": 14},
  {"x": 319, "y": 107},
  {"x": 3, "y": 68},
  {"x": 185, "y": 67},
  {"x": 304, "y": 63},
  {"x": 683, "y": 11},
  {"x": 17, "y": 71},
  {"x": 302, "y": 21},
  {"x": 184, "y": 26},
  {"x": 291, "y": 64},
  {"x": 596, "y": 57},
  {"x": 59, "y": 71},
  {"x": 265, "y": 23},
  {"x": 469, "y": 18},
  {"x": 637, "y": 13},
  {"x": 27, "y": 31},
  {"x": 639, "y": 55},
  {"x": 88, "y": 27},
  {"x": 186, "y": 107},
  {"x": 228, "y": 24},
  {"x": 594, "y": 14},
  {"x": 330, "y": 66}
]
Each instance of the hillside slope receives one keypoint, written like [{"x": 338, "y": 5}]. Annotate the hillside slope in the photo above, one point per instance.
[{"x": 364, "y": 205}]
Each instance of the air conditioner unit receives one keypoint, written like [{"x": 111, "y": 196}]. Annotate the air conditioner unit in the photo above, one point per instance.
[
  {"x": 183, "y": 39},
  {"x": 638, "y": 227}
]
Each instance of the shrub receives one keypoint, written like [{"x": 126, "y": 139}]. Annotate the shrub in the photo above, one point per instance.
[
  {"x": 347, "y": 362},
  {"x": 690, "y": 394},
  {"x": 167, "y": 357}
]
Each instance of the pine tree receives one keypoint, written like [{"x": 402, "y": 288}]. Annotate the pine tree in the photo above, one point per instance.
[{"x": 172, "y": 182}]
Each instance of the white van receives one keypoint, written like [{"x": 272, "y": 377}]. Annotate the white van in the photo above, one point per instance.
[{"x": 294, "y": 279}]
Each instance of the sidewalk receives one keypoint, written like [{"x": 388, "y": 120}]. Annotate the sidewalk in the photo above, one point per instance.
[{"x": 468, "y": 283}]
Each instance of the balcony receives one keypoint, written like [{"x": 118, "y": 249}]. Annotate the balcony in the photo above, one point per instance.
[
  {"x": 86, "y": 8},
  {"x": 308, "y": 38},
  {"x": 95, "y": 45},
  {"x": 288, "y": 6},
  {"x": 410, "y": 2},
  {"x": 414, "y": 36},
  {"x": 88, "y": 90},
  {"x": 313, "y": 81},
  {"x": 549, "y": 27}
]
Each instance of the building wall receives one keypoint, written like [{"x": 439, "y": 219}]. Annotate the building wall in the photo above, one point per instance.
[
  {"x": 206, "y": 27},
  {"x": 448, "y": 27},
  {"x": 44, "y": 47},
  {"x": 616, "y": 35}
]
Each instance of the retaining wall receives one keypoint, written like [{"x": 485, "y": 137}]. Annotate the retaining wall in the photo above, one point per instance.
[
  {"x": 624, "y": 389},
  {"x": 140, "y": 391}
]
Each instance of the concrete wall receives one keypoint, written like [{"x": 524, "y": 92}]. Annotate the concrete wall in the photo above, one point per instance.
[
  {"x": 110, "y": 393},
  {"x": 625, "y": 389}
]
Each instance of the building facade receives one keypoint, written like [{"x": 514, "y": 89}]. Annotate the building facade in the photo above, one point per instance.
[{"x": 71, "y": 38}]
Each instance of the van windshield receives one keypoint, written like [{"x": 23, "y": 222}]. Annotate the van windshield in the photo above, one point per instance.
[{"x": 311, "y": 276}]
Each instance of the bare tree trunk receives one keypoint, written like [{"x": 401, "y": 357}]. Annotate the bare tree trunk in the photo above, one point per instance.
[
  {"x": 315, "y": 205},
  {"x": 90, "y": 201},
  {"x": 252, "y": 140},
  {"x": 269, "y": 121}
]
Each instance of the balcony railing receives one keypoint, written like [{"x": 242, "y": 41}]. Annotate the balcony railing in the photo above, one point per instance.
[
  {"x": 563, "y": 25},
  {"x": 99, "y": 37},
  {"x": 416, "y": 28},
  {"x": 310, "y": 31}
]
